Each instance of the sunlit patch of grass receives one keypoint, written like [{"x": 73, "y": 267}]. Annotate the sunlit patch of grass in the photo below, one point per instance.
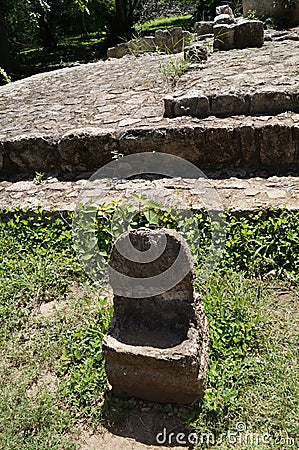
[{"x": 164, "y": 23}]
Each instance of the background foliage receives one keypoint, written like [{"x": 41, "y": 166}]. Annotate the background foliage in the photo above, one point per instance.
[{"x": 47, "y": 25}]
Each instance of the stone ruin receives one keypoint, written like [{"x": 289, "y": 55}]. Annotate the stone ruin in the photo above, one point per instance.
[
  {"x": 230, "y": 32},
  {"x": 172, "y": 40},
  {"x": 156, "y": 347},
  {"x": 226, "y": 32}
]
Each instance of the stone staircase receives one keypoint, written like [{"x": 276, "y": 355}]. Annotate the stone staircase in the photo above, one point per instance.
[{"x": 70, "y": 122}]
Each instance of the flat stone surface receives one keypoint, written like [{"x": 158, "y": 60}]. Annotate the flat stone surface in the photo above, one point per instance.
[
  {"x": 102, "y": 94},
  {"x": 236, "y": 194},
  {"x": 271, "y": 67}
]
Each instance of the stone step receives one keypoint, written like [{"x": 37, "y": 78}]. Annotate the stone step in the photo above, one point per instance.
[
  {"x": 236, "y": 195},
  {"x": 249, "y": 142},
  {"x": 197, "y": 104},
  {"x": 79, "y": 118}
]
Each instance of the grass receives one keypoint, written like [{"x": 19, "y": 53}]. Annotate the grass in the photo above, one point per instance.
[
  {"x": 165, "y": 23},
  {"x": 70, "y": 51},
  {"x": 52, "y": 319}
]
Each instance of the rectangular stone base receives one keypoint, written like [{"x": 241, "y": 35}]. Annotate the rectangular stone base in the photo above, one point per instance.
[{"x": 163, "y": 375}]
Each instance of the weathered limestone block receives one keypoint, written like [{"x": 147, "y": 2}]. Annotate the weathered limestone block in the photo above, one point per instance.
[
  {"x": 272, "y": 152},
  {"x": 193, "y": 104},
  {"x": 224, "y": 18},
  {"x": 204, "y": 27},
  {"x": 224, "y": 9},
  {"x": 249, "y": 33},
  {"x": 224, "y": 36},
  {"x": 147, "y": 43},
  {"x": 157, "y": 346},
  {"x": 270, "y": 102},
  {"x": 170, "y": 41},
  {"x": 177, "y": 39},
  {"x": 224, "y": 105},
  {"x": 118, "y": 51},
  {"x": 30, "y": 154}
]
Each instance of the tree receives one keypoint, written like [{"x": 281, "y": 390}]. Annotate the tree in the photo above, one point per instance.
[
  {"x": 47, "y": 35},
  {"x": 121, "y": 25},
  {"x": 6, "y": 60}
]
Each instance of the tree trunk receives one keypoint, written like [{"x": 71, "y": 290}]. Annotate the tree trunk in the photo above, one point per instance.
[
  {"x": 46, "y": 33},
  {"x": 121, "y": 28},
  {"x": 6, "y": 61},
  {"x": 85, "y": 32}
]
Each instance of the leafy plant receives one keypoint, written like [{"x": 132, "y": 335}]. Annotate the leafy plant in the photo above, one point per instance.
[
  {"x": 4, "y": 78},
  {"x": 252, "y": 14},
  {"x": 38, "y": 178}
]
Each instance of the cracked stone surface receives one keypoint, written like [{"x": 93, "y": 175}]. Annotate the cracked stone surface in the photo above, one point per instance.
[
  {"x": 272, "y": 67},
  {"x": 236, "y": 194},
  {"x": 264, "y": 81}
]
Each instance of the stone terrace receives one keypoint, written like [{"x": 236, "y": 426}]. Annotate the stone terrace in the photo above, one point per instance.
[
  {"x": 264, "y": 81},
  {"x": 75, "y": 119}
]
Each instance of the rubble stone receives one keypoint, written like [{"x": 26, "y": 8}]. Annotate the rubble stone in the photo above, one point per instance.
[
  {"x": 197, "y": 52},
  {"x": 249, "y": 33},
  {"x": 224, "y": 37},
  {"x": 118, "y": 51},
  {"x": 169, "y": 41},
  {"x": 224, "y": 18},
  {"x": 224, "y": 9},
  {"x": 204, "y": 27}
]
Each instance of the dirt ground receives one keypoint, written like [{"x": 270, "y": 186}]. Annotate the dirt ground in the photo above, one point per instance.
[{"x": 141, "y": 430}]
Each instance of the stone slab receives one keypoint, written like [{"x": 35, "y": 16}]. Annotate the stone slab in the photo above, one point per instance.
[{"x": 236, "y": 194}]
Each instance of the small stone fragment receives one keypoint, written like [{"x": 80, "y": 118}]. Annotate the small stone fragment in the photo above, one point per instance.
[
  {"x": 204, "y": 27},
  {"x": 196, "y": 52},
  {"x": 118, "y": 51},
  {"x": 224, "y": 9},
  {"x": 249, "y": 33},
  {"x": 224, "y": 18}
]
